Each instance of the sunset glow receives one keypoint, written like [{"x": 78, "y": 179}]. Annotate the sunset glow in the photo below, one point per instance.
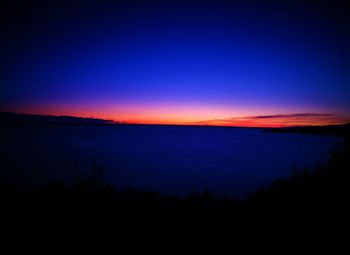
[
  {"x": 208, "y": 108},
  {"x": 180, "y": 63},
  {"x": 181, "y": 115}
]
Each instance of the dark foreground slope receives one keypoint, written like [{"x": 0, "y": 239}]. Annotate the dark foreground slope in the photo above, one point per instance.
[
  {"x": 321, "y": 188},
  {"x": 324, "y": 184}
]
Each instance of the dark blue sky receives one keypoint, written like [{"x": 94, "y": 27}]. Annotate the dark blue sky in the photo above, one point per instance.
[{"x": 176, "y": 61}]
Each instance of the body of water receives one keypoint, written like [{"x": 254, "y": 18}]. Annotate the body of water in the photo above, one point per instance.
[{"x": 168, "y": 159}]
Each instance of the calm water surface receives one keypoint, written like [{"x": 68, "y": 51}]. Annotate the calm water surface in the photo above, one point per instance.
[{"x": 168, "y": 159}]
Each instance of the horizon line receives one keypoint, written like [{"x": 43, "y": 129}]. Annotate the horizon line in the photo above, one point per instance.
[{"x": 230, "y": 122}]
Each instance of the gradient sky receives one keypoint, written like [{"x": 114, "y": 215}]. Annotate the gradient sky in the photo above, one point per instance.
[{"x": 247, "y": 63}]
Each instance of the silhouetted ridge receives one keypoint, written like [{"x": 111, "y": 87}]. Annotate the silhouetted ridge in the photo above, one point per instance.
[
  {"x": 323, "y": 185},
  {"x": 340, "y": 130},
  {"x": 17, "y": 118}
]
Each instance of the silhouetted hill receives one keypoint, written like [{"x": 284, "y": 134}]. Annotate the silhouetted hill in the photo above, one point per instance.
[
  {"x": 340, "y": 130},
  {"x": 316, "y": 189},
  {"x": 323, "y": 185},
  {"x": 8, "y": 118}
]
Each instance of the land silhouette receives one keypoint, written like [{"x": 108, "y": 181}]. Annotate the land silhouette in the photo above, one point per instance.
[{"x": 320, "y": 187}]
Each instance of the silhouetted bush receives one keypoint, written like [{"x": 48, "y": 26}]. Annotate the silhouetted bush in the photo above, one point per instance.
[{"x": 324, "y": 186}]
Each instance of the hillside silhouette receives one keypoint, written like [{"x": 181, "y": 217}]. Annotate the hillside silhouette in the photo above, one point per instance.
[
  {"x": 323, "y": 186},
  {"x": 9, "y": 118},
  {"x": 340, "y": 130},
  {"x": 318, "y": 191}
]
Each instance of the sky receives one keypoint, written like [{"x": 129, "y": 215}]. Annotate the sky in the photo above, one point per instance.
[{"x": 232, "y": 63}]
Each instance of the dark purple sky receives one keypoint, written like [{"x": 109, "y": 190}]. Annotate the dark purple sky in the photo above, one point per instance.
[{"x": 178, "y": 61}]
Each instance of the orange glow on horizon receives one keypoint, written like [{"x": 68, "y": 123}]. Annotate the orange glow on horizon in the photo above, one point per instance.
[
  {"x": 205, "y": 116},
  {"x": 275, "y": 123}
]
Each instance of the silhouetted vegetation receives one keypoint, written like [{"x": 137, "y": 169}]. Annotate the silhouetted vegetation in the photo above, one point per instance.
[{"x": 323, "y": 186}]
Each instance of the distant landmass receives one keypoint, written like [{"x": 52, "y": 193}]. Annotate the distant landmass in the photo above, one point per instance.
[
  {"x": 9, "y": 118},
  {"x": 342, "y": 130}
]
